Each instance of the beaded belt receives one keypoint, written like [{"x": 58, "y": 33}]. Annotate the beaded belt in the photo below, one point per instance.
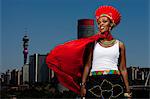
[{"x": 104, "y": 72}]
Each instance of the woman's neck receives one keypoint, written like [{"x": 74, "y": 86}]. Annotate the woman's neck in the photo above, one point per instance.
[{"x": 106, "y": 36}]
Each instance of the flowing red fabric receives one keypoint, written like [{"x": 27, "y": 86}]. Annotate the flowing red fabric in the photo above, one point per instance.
[{"x": 66, "y": 60}]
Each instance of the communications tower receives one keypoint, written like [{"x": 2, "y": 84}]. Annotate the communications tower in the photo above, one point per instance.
[{"x": 25, "y": 47}]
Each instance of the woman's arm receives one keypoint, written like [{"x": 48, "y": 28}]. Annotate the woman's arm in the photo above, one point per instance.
[
  {"x": 122, "y": 67},
  {"x": 86, "y": 70}
]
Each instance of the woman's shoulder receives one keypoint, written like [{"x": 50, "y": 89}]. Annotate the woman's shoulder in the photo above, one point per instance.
[{"x": 121, "y": 44}]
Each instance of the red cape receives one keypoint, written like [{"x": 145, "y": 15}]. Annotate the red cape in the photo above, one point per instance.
[{"x": 66, "y": 60}]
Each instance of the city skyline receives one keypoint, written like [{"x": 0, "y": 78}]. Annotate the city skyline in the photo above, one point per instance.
[{"x": 52, "y": 22}]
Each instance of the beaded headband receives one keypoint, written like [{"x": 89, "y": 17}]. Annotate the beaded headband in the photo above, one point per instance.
[{"x": 110, "y": 12}]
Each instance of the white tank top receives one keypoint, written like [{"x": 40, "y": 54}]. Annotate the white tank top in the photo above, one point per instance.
[{"x": 105, "y": 58}]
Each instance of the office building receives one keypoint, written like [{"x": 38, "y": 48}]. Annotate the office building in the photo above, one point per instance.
[
  {"x": 38, "y": 70},
  {"x": 25, "y": 73}
]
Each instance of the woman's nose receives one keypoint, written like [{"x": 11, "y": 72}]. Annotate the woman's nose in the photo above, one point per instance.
[{"x": 101, "y": 23}]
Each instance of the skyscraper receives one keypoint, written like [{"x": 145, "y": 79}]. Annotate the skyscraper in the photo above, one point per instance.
[
  {"x": 38, "y": 69},
  {"x": 85, "y": 28},
  {"x": 25, "y": 70}
]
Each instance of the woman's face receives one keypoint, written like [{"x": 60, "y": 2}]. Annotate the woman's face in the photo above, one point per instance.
[{"x": 104, "y": 24}]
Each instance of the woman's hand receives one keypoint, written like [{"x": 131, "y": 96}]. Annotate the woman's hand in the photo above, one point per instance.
[
  {"x": 83, "y": 91},
  {"x": 128, "y": 95}
]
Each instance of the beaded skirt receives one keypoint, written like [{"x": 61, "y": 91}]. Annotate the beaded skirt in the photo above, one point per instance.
[{"x": 108, "y": 86}]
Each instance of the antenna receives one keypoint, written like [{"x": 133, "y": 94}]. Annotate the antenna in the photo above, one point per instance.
[
  {"x": 25, "y": 30},
  {"x": 25, "y": 46}
]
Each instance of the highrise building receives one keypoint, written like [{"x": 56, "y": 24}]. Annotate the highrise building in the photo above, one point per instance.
[
  {"x": 14, "y": 77},
  {"x": 85, "y": 28},
  {"x": 25, "y": 70},
  {"x": 20, "y": 77},
  {"x": 38, "y": 70},
  {"x": 8, "y": 77},
  {"x": 5, "y": 78},
  {"x": 138, "y": 75}
]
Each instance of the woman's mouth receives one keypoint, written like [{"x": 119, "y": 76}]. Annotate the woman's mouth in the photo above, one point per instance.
[{"x": 102, "y": 27}]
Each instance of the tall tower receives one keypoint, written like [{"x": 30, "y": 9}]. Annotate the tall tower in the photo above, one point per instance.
[
  {"x": 85, "y": 28},
  {"x": 25, "y": 46}
]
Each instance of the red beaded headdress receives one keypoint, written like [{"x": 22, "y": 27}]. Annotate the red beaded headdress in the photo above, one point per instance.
[{"x": 109, "y": 11}]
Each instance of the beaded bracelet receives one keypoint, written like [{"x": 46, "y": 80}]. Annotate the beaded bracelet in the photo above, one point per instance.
[{"x": 82, "y": 84}]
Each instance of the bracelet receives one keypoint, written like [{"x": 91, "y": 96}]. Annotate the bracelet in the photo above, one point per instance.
[
  {"x": 82, "y": 84},
  {"x": 128, "y": 94}
]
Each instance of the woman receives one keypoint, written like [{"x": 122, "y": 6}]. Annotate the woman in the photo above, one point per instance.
[
  {"x": 105, "y": 73},
  {"x": 75, "y": 64}
]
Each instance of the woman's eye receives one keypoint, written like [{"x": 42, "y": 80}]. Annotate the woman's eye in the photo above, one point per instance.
[
  {"x": 104, "y": 21},
  {"x": 99, "y": 23}
]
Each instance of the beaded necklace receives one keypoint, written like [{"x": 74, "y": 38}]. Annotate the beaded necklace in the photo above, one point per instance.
[{"x": 107, "y": 43}]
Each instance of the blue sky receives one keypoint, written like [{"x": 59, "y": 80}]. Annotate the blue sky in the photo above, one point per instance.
[{"x": 51, "y": 22}]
